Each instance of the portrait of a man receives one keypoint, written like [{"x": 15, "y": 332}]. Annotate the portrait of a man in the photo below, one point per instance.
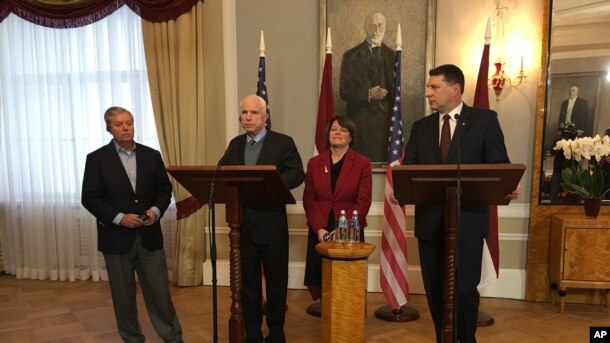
[
  {"x": 366, "y": 86},
  {"x": 364, "y": 40},
  {"x": 575, "y": 110},
  {"x": 573, "y": 99}
]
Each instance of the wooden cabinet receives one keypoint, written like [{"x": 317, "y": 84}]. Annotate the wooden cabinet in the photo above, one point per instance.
[{"x": 579, "y": 255}]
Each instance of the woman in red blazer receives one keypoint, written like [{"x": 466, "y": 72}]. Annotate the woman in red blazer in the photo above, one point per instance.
[{"x": 337, "y": 179}]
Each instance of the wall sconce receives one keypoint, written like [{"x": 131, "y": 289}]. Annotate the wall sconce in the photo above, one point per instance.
[{"x": 500, "y": 80}]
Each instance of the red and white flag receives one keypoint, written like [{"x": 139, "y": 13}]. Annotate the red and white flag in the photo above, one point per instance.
[
  {"x": 326, "y": 103},
  {"x": 393, "y": 259},
  {"x": 326, "y": 110},
  {"x": 490, "y": 267}
]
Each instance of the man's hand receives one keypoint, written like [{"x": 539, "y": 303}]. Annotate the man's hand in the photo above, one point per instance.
[
  {"x": 377, "y": 93},
  {"x": 514, "y": 195},
  {"x": 133, "y": 221},
  {"x": 152, "y": 217}
]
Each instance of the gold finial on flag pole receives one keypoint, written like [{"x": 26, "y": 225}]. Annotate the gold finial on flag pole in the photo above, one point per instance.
[
  {"x": 488, "y": 32},
  {"x": 398, "y": 39},
  {"x": 329, "y": 43},
  {"x": 261, "y": 46}
]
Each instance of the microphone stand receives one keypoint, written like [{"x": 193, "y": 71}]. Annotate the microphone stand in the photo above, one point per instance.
[
  {"x": 212, "y": 233},
  {"x": 458, "y": 195}
]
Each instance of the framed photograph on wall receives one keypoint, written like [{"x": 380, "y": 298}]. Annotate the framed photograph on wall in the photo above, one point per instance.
[{"x": 363, "y": 75}]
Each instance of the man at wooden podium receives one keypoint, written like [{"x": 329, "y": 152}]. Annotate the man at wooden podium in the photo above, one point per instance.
[
  {"x": 264, "y": 229},
  {"x": 434, "y": 140}
]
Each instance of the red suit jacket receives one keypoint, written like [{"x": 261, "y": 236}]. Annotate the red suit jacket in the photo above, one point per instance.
[{"x": 352, "y": 190}]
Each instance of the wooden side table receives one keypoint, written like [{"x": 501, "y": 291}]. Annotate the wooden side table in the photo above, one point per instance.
[
  {"x": 579, "y": 255},
  {"x": 344, "y": 277}
]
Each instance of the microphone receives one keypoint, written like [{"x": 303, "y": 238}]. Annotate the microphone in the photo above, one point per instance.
[{"x": 218, "y": 165}]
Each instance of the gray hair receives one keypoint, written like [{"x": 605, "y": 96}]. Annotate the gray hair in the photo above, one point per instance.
[
  {"x": 260, "y": 100},
  {"x": 114, "y": 110}
]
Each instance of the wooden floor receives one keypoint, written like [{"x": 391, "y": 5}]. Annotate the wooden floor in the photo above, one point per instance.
[{"x": 49, "y": 311}]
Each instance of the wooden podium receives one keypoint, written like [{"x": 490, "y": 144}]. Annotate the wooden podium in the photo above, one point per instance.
[
  {"x": 344, "y": 279},
  {"x": 481, "y": 184},
  {"x": 235, "y": 186}
]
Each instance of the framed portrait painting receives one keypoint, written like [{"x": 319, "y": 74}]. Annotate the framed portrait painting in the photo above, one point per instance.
[
  {"x": 573, "y": 98},
  {"x": 364, "y": 40},
  {"x": 576, "y": 107}
]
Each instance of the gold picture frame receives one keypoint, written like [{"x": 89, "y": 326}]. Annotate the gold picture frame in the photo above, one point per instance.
[{"x": 417, "y": 19}]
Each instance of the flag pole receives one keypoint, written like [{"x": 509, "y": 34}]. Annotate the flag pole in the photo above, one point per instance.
[
  {"x": 393, "y": 264},
  {"x": 481, "y": 99},
  {"x": 261, "y": 45},
  {"x": 261, "y": 82},
  {"x": 326, "y": 110}
]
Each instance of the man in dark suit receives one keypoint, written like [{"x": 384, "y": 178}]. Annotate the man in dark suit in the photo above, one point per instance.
[
  {"x": 264, "y": 229},
  {"x": 365, "y": 81},
  {"x": 576, "y": 110},
  {"x": 126, "y": 188},
  {"x": 481, "y": 141}
]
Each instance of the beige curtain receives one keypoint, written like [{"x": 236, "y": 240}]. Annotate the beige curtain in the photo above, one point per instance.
[{"x": 174, "y": 57}]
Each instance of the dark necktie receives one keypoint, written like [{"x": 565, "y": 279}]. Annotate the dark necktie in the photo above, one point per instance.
[
  {"x": 252, "y": 142},
  {"x": 445, "y": 138},
  {"x": 376, "y": 53}
]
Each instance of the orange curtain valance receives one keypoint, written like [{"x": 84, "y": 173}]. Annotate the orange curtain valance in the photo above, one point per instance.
[{"x": 75, "y": 13}]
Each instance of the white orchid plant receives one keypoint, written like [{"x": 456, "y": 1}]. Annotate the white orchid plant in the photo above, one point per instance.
[{"x": 585, "y": 157}]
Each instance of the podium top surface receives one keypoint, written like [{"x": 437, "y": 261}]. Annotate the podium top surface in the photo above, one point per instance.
[
  {"x": 482, "y": 184},
  {"x": 354, "y": 251},
  {"x": 256, "y": 184}
]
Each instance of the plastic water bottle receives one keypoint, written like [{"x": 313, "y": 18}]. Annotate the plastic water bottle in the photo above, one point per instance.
[
  {"x": 354, "y": 230},
  {"x": 342, "y": 228}
]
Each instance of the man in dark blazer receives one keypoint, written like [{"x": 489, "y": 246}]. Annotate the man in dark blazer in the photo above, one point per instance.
[
  {"x": 126, "y": 188},
  {"x": 264, "y": 229},
  {"x": 481, "y": 141},
  {"x": 365, "y": 82},
  {"x": 575, "y": 110}
]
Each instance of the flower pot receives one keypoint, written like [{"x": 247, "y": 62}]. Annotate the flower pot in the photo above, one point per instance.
[{"x": 592, "y": 207}]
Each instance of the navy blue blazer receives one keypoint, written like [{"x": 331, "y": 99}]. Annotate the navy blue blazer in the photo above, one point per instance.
[
  {"x": 107, "y": 191},
  {"x": 481, "y": 141}
]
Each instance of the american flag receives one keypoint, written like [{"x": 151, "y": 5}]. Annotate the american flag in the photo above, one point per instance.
[
  {"x": 393, "y": 240},
  {"x": 261, "y": 88}
]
